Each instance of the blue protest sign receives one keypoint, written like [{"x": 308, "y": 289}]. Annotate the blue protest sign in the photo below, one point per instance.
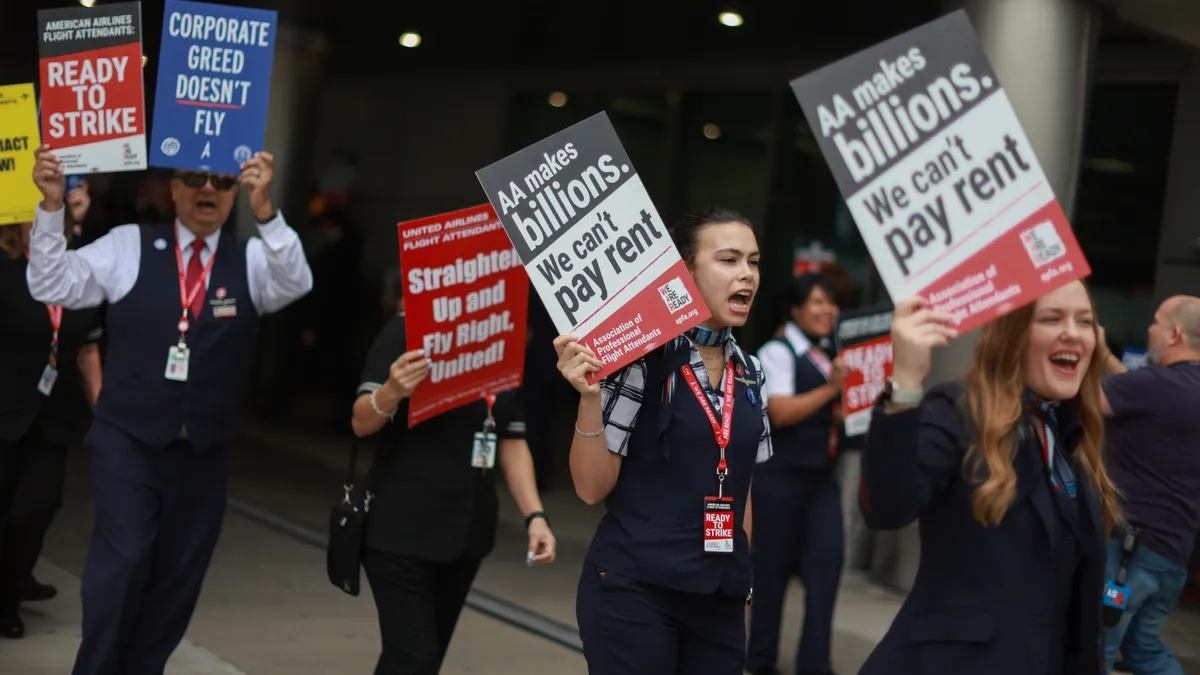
[{"x": 214, "y": 77}]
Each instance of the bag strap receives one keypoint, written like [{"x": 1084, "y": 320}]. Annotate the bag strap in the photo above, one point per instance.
[{"x": 348, "y": 484}]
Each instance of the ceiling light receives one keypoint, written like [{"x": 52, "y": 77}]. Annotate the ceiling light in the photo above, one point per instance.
[
  {"x": 711, "y": 131},
  {"x": 410, "y": 40},
  {"x": 731, "y": 19},
  {"x": 87, "y": 3},
  {"x": 558, "y": 99}
]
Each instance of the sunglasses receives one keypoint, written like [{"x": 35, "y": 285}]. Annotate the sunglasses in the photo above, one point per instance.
[{"x": 220, "y": 182}]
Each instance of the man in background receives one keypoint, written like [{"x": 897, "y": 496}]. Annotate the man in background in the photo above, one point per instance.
[{"x": 1155, "y": 462}]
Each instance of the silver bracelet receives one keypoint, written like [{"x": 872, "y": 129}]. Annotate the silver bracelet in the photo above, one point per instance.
[
  {"x": 588, "y": 435},
  {"x": 375, "y": 406}
]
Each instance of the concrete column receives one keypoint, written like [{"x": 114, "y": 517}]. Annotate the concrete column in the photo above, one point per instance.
[
  {"x": 1179, "y": 242},
  {"x": 1042, "y": 52},
  {"x": 296, "y": 77}
]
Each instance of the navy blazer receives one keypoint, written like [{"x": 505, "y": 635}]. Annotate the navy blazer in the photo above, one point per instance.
[{"x": 984, "y": 599}]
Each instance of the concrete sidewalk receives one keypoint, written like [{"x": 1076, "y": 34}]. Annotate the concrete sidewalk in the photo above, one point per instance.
[{"x": 53, "y": 634}]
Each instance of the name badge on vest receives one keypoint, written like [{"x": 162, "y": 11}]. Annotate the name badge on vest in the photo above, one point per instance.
[
  {"x": 483, "y": 450},
  {"x": 177, "y": 362},
  {"x": 718, "y": 524},
  {"x": 46, "y": 383},
  {"x": 223, "y": 307}
]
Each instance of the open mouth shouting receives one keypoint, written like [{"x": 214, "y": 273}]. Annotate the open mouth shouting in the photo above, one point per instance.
[
  {"x": 206, "y": 208},
  {"x": 1065, "y": 362},
  {"x": 739, "y": 303}
]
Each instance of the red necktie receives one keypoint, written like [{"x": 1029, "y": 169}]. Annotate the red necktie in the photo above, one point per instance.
[{"x": 194, "y": 269}]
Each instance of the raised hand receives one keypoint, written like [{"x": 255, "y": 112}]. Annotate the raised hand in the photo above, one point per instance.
[
  {"x": 49, "y": 178},
  {"x": 257, "y": 173},
  {"x": 575, "y": 361},
  {"x": 916, "y": 330}
]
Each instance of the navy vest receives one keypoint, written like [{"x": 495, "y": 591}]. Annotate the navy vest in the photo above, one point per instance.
[
  {"x": 654, "y": 528},
  {"x": 137, "y": 398},
  {"x": 804, "y": 445}
]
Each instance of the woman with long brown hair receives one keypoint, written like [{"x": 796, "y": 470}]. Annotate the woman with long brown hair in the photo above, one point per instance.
[{"x": 1002, "y": 471}]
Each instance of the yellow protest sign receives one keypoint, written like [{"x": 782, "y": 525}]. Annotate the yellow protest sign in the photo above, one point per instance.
[{"x": 18, "y": 140}]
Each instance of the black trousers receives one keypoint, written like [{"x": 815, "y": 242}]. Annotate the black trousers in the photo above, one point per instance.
[
  {"x": 32, "y": 471},
  {"x": 158, "y": 515},
  {"x": 419, "y": 603}
]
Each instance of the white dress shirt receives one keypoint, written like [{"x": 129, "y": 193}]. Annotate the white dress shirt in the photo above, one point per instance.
[
  {"x": 107, "y": 269},
  {"x": 779, "y": 362}
]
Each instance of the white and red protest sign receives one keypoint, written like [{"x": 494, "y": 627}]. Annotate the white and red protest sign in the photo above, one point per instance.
[
  {"x": 864, "y": 343},
  {"x": 595, "y": 248},
  {"x": 93, "y": 102},
  {"x": 939, "y": 175},
  {"x": 466, "y": 300}
]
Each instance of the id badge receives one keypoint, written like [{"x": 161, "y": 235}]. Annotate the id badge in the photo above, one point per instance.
[
  {"x": 46, "y": 384},
  {"x": 483, "y": 451},
  {"x": 177, "y": 363},
  {"x": 718, "y": 524},
  {"x": 1116, "y": 595}
]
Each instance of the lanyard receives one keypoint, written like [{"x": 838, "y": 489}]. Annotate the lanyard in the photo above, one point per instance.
[
  {"x": 490, "y": 424},
  {"x": 56, "y": 317},
  {"x": 722, "y": 427},
  {"x": 186, "y": 299}
]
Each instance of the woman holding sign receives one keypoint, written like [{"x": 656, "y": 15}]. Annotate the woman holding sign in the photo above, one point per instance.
[
  {"x": 669, "y": 443},
  {"x": 49, "y": 374},
  {"x": 1004, "y": 474},
  {"x": 799, "y": 514},
  {"x": 432, "y": 511}
]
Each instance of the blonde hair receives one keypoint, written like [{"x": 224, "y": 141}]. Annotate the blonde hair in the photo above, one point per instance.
[{"x": 995, "y": 386}]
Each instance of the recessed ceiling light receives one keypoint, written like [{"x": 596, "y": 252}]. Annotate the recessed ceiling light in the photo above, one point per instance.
[
  {"x": 87, "y": 3},
  {"x": 558, "y": 99},
  {"x": 410, "y": 40},
  {"x": 711, "y": 131},
  {"x": 731, "y": 19}
]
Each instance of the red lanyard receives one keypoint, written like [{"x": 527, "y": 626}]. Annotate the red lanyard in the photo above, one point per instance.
[
  {"x": 56, "y": 316},
  {"x": 722, "y": 427},
  {"x": 186, "y": 299},
  {"x": 491, "y": 421}
]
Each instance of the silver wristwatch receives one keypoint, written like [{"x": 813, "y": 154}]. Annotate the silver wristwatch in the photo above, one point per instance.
[{"x": 897, "y": 396}]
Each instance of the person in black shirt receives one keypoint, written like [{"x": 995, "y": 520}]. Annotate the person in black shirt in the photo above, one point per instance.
[
  {"x": 48, "y": 377},
  {"x": 431, "y": 518}
]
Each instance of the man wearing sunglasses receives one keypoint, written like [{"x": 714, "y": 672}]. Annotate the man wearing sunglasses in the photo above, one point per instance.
[{"x": 184, "y": 300}]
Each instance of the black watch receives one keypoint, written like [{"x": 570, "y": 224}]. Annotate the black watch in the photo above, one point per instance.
[
  {"x": 274, "y": 215},
  {"x": 536, "y": 514}
]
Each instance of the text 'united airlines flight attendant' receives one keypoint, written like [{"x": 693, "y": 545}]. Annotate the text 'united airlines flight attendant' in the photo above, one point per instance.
[{"x": 665, "y": 581}]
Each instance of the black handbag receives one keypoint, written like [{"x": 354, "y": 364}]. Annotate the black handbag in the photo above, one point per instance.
[{"x": 347, "y": 527}]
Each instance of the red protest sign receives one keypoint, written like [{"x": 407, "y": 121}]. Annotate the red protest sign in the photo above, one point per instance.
[
  {"x": 93, "y": 103},
  {"x": 466, "y": 299},
  {"x": 865, "y": 345}
]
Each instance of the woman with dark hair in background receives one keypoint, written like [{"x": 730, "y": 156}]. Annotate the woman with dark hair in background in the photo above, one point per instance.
[
  {"x": 798, "y": 503},
  {"x": 432, "y": 510},
  {"x": 669, "y": 444},
  {"x": 49, "y": 374},
  {"x": 1003, "y": 472}
]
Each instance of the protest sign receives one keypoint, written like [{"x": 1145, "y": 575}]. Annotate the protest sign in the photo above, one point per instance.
[
  {"x": 466, "y": 301},
  {"x": 864, "y": 344},
  {"x": 595, "y": 248},
  {"x": 939, "y": 175},
  {"x": 93, "y": 102},
  {"x": 18, "y": 140},
  {"x": 214, "y": 77}
]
